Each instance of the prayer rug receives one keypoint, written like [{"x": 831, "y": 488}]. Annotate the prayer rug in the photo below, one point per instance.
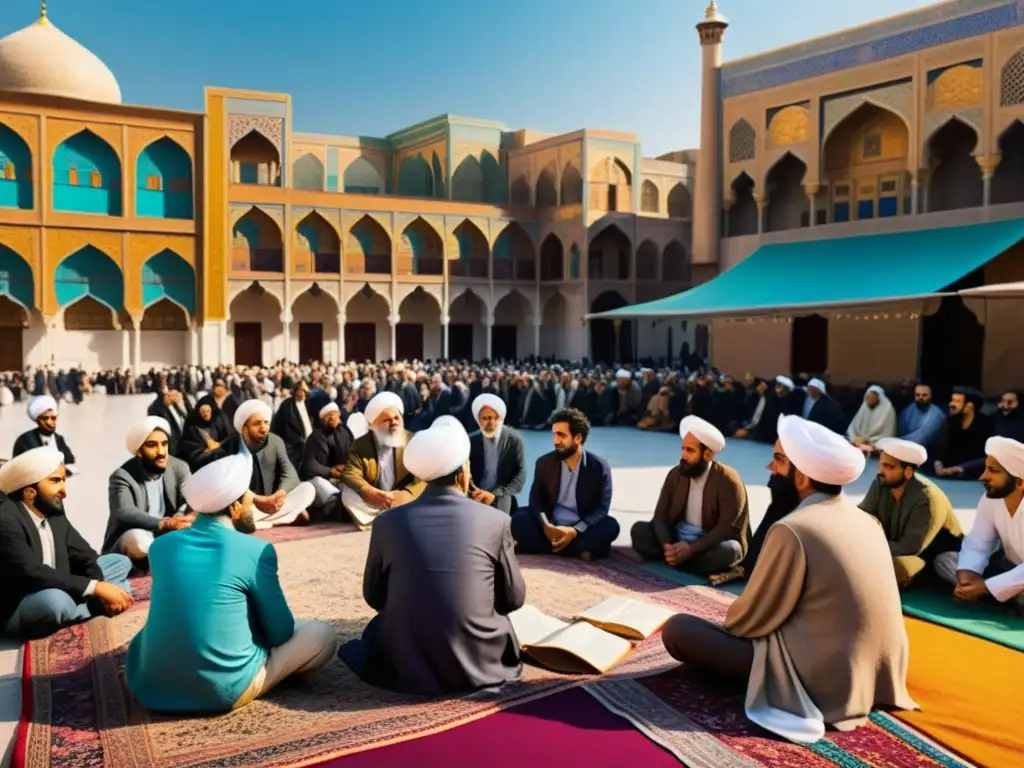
[{"x": 78, "y": 710}]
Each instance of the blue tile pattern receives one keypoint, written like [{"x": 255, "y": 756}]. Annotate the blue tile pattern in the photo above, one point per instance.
[{"x": 888, "y": 47}]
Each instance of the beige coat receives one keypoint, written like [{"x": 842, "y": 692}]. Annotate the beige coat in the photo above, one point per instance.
[{"x": 823, "y": 610}]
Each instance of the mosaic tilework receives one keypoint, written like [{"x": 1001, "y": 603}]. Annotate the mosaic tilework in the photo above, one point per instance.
[
  {"x": 1011, "y": 81},
  {"x": 742, "y": 141},
  {"x": 934, "y": 120},
  {"x": 888, "y": 47},
  {"x": 897, "y": 97}
]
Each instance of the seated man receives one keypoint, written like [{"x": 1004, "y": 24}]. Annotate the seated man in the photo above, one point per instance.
[
  {"x": 915, "y": 514},
  {"x": 700, "y": 522},
  {"x": 219, "y": 633},
  {"x": 818, "y": 634},
  {"x": 497, "y": 456},
  {"x": 324, "y": 457},
  {"x": 442, "y": 574},
  {"x": 570, "y": 498},
  {"x": 292, "y": 424},
  {"x": 273, "y": 474},
  {"x": 991, "y": 560},
  {"x": 43, "y": 411},
  {"x": 875, "y": 420},
  {"x": 963, "y": 440},
  {"x": 52, "y": 578},
  {"x": 375, "y": 476},
  {"x": 145, "y": 493}
]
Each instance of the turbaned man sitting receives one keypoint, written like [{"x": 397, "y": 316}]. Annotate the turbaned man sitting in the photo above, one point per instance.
[
  {"x": 43, "y": 411},
  {"x": 219, "y": 632},
  {"x": 375, "y": 476}
]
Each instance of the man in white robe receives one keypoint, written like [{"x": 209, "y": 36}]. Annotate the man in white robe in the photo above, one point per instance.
[
  {"x": 991, "y": 560},
  {"x": 875, "y": 420}
]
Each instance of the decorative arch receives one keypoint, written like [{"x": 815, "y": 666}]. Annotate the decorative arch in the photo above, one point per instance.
[
  {"x": 552, "y": 259},
  {"x": 610, "y": 344},
  {"x": 1011, "y": 81},
  {"x": 680, "y": 204},
  {"x": 1008, "y": 180},
  {"x": 555, "y": 317},
  {"x": 420, "y": 250},
  {"x": 16, "y": 279},
  {"x": 609, "y": 255},
  {"x": 494, "y": 178},
  {"x": 15, "y": 170},
  {"x": 547, "y": 187},
  {"x": 361, "y": 177},
  {"x": 316, "y": 293},
  {"x": 675, "y": 263},
  {"x": 784, "y": 191},
  {"x": 258, "y": 244},
  {"x": 521, "y": 193},
  {"x": 575, "y": 263},
  {"x": 166, "y": 275},
  {"x": 258, "y": 289},
  {"x": 420, "y": 294},
  {"x": 742, "y": 142},
  {"x": 368, "y": 248},
  {"x": 514, "y": 305},
  {"x": 572, "y": 185},
  {"x": 955, "y": 181},
  {"x": 474, "y": 252},
  {"x": 87, "y": 313},
  {"x": 87, "y": 176},
  {"x": 163, "y": 180},
  {"x": 164, "y": 314},
  {"x": 650, "y": 201},
  {"x": 743, "y": 212},
  {"x": 864, "y": 102},
  {"x": 319, "y": 247},
  {"x": 647, "y": 261},
  {"x": 89, "y": 272},
  {"x": 308, "y": 173},
  {"x": 468, "y": 181},
  {"x": 514, "y": 254},
  {"x": 255, "y": 160},
  {"x": 415, "y": 177}
]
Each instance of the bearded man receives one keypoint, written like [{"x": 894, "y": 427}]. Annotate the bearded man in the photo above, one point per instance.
[
  {"x": 497, "y": 457},
  {"x": 145, "y": 493},
  {"x": 325, "y": 456},
  {"x": 375, "y": 476},
  {"x": 43, "y": 411},
  {"x": 52, "y": 578},
  {"x": 702, "y": 516}
]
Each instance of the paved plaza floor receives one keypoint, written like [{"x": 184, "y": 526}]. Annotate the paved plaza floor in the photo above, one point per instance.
[{"x": 95, "y": 432}]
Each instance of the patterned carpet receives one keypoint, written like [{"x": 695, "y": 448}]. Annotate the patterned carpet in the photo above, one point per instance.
[{"x": 78, "y": 711}]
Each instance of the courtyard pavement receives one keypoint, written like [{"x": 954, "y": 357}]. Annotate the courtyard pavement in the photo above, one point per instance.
[{"x": 95, "y": 432}]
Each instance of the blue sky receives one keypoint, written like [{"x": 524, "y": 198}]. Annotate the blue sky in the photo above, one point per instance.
[{"x": 371, "y": 68}]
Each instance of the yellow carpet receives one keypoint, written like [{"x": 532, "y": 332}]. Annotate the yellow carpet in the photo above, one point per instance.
[{"x": 969, "y": 691}]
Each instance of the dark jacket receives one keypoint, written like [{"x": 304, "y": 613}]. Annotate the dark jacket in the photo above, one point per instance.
[
  {"x": 287, "y": 424},
  {"x": 593, "y": 488},
  {"x": 129, "y": 503},
  {"x": 34, "y": 439},
  {"x": 277, "y": 473},
  {"x": 511, "y": 470},
  {"x": 157, "y": 408},
  {"x": 325, "y": 449},
  {"x": 442, "y": 574},
  {"x": 22, "y": 572}
]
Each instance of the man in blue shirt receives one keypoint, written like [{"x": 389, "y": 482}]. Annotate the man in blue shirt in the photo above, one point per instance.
[
  {"x": 570, "y": 498},
  {"x": 219, "y": 632},
  {"x": 922, "y": 422}
]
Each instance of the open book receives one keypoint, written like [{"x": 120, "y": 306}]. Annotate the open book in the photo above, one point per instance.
[{"x": 587, "y": 645}]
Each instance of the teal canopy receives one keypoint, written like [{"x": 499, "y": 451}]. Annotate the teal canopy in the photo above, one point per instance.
[{"x": 866, "y": 270}]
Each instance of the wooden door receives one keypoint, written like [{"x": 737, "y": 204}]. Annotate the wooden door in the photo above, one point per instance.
[
  {"x": 503, "y": 342},
  {"x": 360, "y": 342},
  {"x": 460, "y": 341},
  {"x": 11, "y": 353},
  {"x": 409, "y": 341},
  {"x": 248, "y": 344},
  {"x": 311, "y": 342},
  {"x": 809, "y": 339}
]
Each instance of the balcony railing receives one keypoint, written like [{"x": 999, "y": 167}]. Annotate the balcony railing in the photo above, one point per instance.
[
  {"x": 468, "y": 268},
  {"x": 327, "y": 262},
  {"x": 244, "y": 259},
  {"x": 517, "y": 269}
]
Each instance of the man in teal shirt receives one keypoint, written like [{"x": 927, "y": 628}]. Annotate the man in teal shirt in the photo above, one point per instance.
[{"x": 219, "y": 632}]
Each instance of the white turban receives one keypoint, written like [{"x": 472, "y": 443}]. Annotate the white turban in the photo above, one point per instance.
[
  {"x": 1009, "y": 453},
  {"x": 487, "y": 400},
  {"x": 447, "y": 421},
  {"x": 380, "y": 403},
  {"x": 820, "y": 453},
  {"x": 137, "y": 435},
  {"x": 357, "y": 425},
  {"x": 817, "y": 384},
  {"x": 248, "y": 409},
  {"x": 704, "y": 431},
  {"x": 37, "y": 406},
  {"x": 218, "y": 485},
  {"x": 622, "y": 373},
  {"x": 436, "y": 452},
  {"x": 29, "y": 468},
  {"x": 903, "y": 450},
  {"x": 328, "y": 408},
  {"x": 785, "y": 381}
]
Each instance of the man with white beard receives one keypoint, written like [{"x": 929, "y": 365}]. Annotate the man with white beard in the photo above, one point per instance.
[
  {"x": 497, "y": 457},
  {"x": 375, "y": 477}
]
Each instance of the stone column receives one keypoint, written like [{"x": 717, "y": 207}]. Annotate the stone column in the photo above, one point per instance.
[
  {"x": 726, "y": 207},
  {"x": 707, "y": 191},
  {"x": 812, "y": 194},
  {"x": 925, "y": 176},
  {"x": 393, "y": 321},
  {"x": 988, "y": 167},
  {"x": 915, "y": 195},
  {"x": 137, "y": 350},
  {"x": 537, "y": 324},
  {"x": 488, "y": 330},
  {"x": 286, "y": 325},
  {"x": 193, "y": 344},
  {"x": 761, "y": 200},
  {"x": 341, "y": 337},
  {"x": 126, "y": 349},
  {"x": 445, "y": 322}
]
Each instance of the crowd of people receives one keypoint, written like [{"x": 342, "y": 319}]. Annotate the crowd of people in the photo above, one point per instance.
[{"x": 429, "y": 459}]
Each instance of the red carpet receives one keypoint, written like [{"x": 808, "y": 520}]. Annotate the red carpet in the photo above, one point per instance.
[{"x": 569, "y": 728}]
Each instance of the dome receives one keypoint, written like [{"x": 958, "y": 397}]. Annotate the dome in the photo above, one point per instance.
[{"x": 40, "y": 59}]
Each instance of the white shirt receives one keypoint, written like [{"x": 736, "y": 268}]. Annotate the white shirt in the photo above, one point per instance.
[
  {"x": 49, "y": 547},
  {"x": 994, "y": 526},
  {"x": 695, "y": 499},
  {"x": 304, "y": 417}
]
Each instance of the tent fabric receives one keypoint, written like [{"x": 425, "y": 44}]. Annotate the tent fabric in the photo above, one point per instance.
[{"x": 867, "y": 270}]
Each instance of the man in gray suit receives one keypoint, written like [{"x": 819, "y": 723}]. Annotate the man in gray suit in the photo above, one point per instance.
[
  {"x": 273, "y": 474},
  {"x": 442, "y": 575},
  {"x": 497, "y": 457},
  {"x": 145, "y": 492}
]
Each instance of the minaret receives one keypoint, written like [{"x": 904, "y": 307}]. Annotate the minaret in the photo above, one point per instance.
[{"x": 707, "y": 193}]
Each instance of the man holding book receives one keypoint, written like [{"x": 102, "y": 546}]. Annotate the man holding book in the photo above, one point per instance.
[
  {"x": 570, "y": 499},
  {"x": 702, "y": 517},
  {"x": 442, "y": 574}
]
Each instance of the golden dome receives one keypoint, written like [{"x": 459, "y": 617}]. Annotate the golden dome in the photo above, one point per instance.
[{"x": 40, "y": 59}]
